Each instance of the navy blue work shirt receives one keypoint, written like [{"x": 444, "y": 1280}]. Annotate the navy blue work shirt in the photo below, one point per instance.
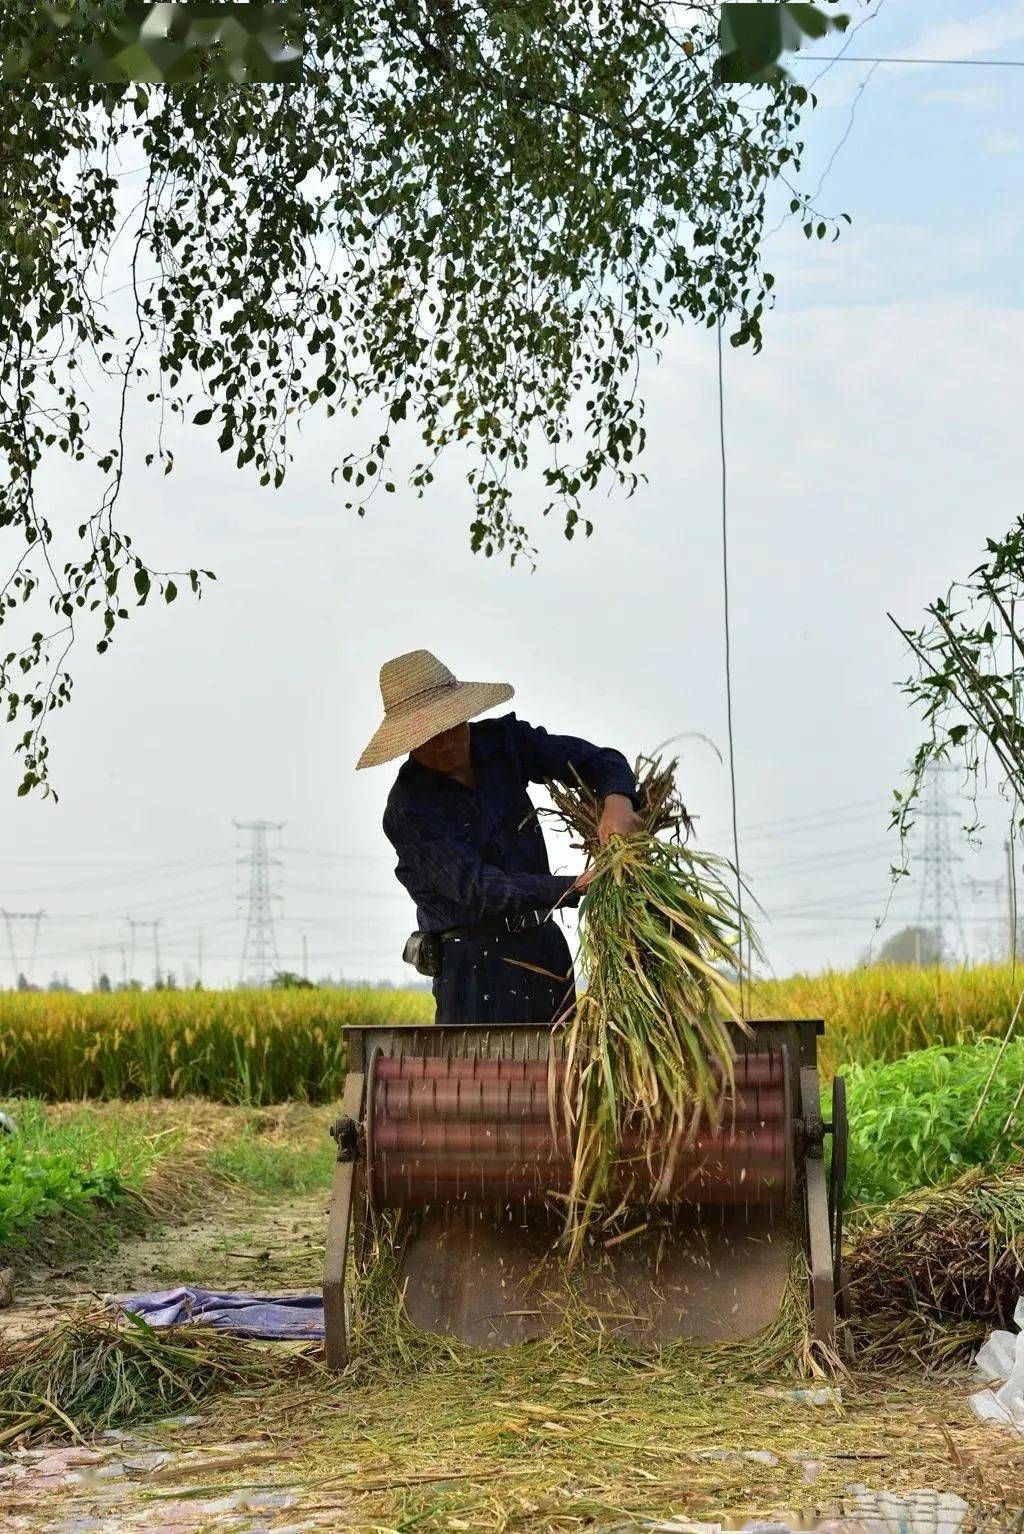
[{"x": 467, "y": 855}]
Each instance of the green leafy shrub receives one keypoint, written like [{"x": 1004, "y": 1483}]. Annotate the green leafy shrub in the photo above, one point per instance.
[{"x": 911, "y": 1119}]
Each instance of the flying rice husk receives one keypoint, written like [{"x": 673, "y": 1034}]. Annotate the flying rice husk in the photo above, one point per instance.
[{"x": 650, "y": 1042}]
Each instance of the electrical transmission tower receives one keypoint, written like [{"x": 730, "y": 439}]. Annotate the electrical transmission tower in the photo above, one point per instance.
[
  {"x": 11, "y": 921},
  {"x": 259, "y": 946},
  {"x": 154, "y": 927},
  {"x": 939, "y": 908}
]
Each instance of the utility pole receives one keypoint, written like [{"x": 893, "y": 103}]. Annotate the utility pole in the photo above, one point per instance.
[
  {"x": 259, "y": 945},
  {"x": 305, "y": 959},
  {"x": 154, "y": 927},
  {"x": 199, "y": 956},
  {"x": 11, "y": 920},
  {"x": 939, "y": 905}
]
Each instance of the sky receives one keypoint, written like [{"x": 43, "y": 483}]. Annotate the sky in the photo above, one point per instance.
[{"x": 872, "y": 446}]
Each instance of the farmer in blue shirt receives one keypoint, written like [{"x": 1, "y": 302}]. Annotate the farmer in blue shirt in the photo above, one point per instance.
[{"x": 470, "y": 848}]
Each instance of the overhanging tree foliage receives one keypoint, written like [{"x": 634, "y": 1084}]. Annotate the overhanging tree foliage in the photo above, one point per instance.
[
  {"x": 468, "y": 220},
  {"x": 156, "y": 42},
  {"x": 968, "y": 682}
]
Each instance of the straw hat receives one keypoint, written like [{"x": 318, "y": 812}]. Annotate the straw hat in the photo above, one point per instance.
[{"x": 422, "y": 698}]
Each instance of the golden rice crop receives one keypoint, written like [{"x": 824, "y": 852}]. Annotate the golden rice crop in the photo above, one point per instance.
[
  {"x": 884, "y": 1011},
  {"x": 269, "y": 1046},
  {"x": 233, "y": 1046}
]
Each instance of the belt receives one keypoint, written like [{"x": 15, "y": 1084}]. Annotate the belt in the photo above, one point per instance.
[{"x": 499, "y": 926}]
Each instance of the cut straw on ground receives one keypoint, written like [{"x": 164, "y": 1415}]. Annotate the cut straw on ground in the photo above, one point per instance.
[
  {"x": 936, "y": 1271},
  {"x": 99, "y": 1369}
]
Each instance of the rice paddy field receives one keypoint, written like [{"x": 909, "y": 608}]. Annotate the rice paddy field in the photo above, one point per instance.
[
  {"x": 262, "y": 1047},
  {"x": 173, "y": 1137}
]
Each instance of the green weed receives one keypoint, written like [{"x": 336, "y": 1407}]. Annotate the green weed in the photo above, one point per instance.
[
  {"x": 66, "y": 1167},
  {"x": 274, "y": 1166}
]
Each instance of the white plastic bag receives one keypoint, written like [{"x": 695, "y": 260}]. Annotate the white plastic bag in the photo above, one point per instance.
[{"x": 1001, "y": 1364}]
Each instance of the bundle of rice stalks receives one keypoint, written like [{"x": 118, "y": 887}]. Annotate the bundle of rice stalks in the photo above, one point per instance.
[
  {"x": 937, "y": 1271},
  {"x": 661, "y": 937},
  {"x": 99, "y": 1369}
]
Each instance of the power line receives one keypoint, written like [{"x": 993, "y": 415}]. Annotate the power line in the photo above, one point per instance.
[
  {"x": 851, "y": 34},
  {"x": 822, "y": 860},
  {"x": 782, "y": 831},
  {"x": 838, "y": 817},
  {"x": 863, "y": 58},
  {"x": 107, "y": 881},
  {"x": 830, "y": 902},
  {"x": 185, "y": 901},
  {"x": 347, "y": 857},
  {"x": 85, "y": 863}
]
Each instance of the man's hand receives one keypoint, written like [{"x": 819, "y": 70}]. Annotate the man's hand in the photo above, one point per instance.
[
  {"x": 586, "y": 878},
  {"x": 618, "y": 818}
]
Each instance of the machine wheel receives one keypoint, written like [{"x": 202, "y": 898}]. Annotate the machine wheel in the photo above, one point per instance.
[{"x": 839, "y": 1129}]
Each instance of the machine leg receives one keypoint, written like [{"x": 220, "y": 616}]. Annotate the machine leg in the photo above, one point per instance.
[
  {"x": 819, "y": 1235},
  {"x": 361, "y": 1234},
  {"x": 339, "y": 1222},
  {"x": 836, "y": 1187}
]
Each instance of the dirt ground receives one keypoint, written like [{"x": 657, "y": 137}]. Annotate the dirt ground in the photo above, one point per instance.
[{"x": 535, "y": 1444}]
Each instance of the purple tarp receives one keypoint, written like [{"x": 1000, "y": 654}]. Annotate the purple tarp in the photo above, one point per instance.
[{"x": 290, "y": 1317}]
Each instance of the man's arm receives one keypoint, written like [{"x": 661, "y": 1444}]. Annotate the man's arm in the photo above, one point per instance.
[
  {"x": 569, "y": 759},
  {"x": 432, "y": 864}
]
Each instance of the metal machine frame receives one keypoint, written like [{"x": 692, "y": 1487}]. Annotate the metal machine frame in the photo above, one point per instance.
[{"x": 821, "y": 1198}]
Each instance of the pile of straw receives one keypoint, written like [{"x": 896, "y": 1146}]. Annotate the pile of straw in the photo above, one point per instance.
[
  {"x": 661, "y": 941},
  {"x": 937, "y": 1271},
  {"x": 100, "y": 1369}
]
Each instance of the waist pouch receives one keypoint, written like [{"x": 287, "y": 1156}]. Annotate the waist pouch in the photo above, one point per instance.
[{"x": 425, "y": 952}]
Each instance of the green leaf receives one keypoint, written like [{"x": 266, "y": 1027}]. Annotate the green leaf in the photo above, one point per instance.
[{"x": 753, "y": 38}]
